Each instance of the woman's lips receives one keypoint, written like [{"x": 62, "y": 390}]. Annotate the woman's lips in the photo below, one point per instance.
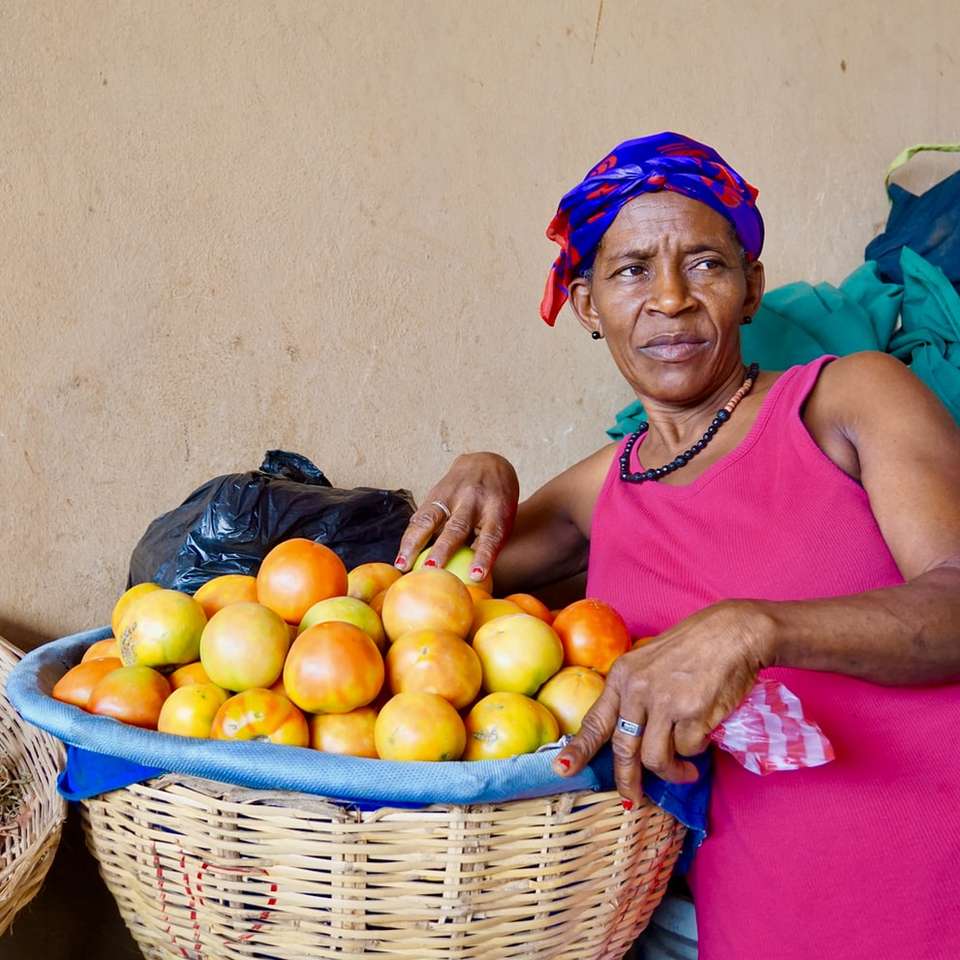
[{"x": 673, "y": 352}]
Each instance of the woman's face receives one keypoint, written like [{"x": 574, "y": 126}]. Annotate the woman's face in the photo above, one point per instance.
[{"x": 669, "y": 291}]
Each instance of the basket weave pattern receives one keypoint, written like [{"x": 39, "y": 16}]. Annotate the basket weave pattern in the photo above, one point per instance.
[
  {"x": 204, "y": 871},
  {"x": 28, "y": 843}
]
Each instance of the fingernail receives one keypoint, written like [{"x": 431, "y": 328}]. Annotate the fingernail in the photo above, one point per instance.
[
  {"x": 627, "y": 804},
  {"x": 401, "y": 561},
  {"x": 477, "y": 573},
  {"x": 564, "y": 762},
  {"x": 430, "y": 563}
]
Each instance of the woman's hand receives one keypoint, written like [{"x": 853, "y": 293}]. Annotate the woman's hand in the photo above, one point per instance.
[
  {"x": 481, "y": 492},
  {"x": 679, "y": 687}
]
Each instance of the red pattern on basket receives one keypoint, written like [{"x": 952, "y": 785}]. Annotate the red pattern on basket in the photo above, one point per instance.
[
  {"x": 194, "y": 892},
  {"x": 768, "y": 732}
]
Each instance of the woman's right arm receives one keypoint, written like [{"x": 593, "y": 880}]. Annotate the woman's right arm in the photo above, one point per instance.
[{"x": 544, "y": 539}]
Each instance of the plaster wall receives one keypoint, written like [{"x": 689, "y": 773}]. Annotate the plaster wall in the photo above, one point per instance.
[{"x": 227, "y": 227}]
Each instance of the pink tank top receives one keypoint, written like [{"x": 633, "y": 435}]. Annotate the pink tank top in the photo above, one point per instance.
[{"x": 856, "y": 860}]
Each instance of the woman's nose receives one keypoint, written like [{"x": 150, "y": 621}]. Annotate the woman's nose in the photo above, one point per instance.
[{"x": 670, "y": 294}]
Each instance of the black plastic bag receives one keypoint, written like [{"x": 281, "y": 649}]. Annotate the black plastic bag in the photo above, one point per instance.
[{"x": 230, "y": 523}]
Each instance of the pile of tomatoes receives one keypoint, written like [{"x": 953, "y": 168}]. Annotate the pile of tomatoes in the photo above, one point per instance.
[{"x": 421, "y": 666}]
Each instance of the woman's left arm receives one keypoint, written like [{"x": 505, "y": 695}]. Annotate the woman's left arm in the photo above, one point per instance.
[
  {"x": 873, "y": 417},
  {"x": 906, "y": 452}
]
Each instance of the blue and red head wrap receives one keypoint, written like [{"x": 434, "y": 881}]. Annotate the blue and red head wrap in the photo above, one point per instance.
[{"x": 665, "y": 161}]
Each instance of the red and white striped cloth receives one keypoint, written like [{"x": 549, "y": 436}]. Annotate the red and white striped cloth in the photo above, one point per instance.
[{"x": 769, "y": 732}]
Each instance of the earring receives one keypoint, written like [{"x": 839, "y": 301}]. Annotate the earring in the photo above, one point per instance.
[
  {"x": 747, "y": 320},
  {"x": 596, "y": 334}
]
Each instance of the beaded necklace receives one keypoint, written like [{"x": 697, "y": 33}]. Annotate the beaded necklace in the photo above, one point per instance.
[{"x": 723, "y": 415}]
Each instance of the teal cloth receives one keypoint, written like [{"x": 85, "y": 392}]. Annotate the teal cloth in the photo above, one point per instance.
[{"x": 799, "y": 322}]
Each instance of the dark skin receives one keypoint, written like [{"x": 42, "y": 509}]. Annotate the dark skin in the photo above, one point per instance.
[{"x": 669, "y": 266}]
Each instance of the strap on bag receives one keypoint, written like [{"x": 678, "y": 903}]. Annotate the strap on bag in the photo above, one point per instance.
[{"x": 905, "y": 155}]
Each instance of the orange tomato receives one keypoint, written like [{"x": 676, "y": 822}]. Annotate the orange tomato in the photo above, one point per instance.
[
  {"x": 477, "y": 593},
  {"x": 220, "y": 592},
  {"x": 376, "y": 604},
  {"x": 261, "y": 715},
  {"x": 369, "y": 579},
  {"x": 530, "y": 604},
  {"x": 127, "y": 600},
  {"x": 433, "y": 661},
  {"x": 419, "y": 726},
  {"x": 569, "y": 694},
  {"x": 298, "y": 573},
  {"x": 186, "y": 676},
  {"x": 161, "y": 628},
  {"x": 132, "y": 695},
  {"x": 519, "y": 653},
  {"x": 350, "y": 733},
  {"x": 76, "y": 685},
  {"x": 333, "y": 668},
  {"x": 189, "y": 710},
  {"x": 243, "y": 646},
  {"x": 427, "y": 600},
  {"x": 504, "y": 725},
  {"x": 593, "y": 635},
  {"x": 486, "y": 610},
  {"x": 102, "y": 648}
]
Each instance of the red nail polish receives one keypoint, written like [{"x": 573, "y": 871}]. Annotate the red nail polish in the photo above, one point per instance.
[
  {"x": 401, "y": 561},
  {"x": 627, "y": 804},
  {"x": 477, "y": 571},
  {"x": 430, "y": 563},
  {"x": 564, "y": 762}
]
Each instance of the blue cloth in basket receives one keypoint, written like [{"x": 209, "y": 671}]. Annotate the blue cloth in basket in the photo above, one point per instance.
[{"x": 105, "y": 755}]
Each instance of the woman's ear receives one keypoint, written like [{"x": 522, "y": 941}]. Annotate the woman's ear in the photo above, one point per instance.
[
  {"x": 755, "y": 286},
  {"x": 581, "y": 299}
]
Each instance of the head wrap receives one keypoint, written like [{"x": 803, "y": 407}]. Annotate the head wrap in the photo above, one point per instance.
[{"x": 664, "y": 161}]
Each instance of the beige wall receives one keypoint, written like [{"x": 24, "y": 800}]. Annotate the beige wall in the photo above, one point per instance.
[{"x": 319, "y": 226}]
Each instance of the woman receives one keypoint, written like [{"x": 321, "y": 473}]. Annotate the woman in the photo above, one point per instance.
[{"x": 810, "y": 532}]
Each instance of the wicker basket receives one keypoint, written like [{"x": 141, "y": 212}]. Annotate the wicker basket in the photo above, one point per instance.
[
  {"x": 202, "y": 870},
  {"x": 32, "y": 759}
]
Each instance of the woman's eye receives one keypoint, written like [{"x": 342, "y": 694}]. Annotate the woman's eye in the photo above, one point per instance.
[
  {"x": 633, "y": 270},
  {"x": 708, "y": 264}
]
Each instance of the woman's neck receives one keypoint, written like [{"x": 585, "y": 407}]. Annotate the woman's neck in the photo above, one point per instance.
[{"x": 677, "y": 428}]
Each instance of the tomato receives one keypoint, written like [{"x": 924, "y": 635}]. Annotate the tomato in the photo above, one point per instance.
[
  {"x": 486, "y": 610},
  {"x": 419, "y": 726},
  {"x": 243, "y": 646},
  {"x": 350, "y": 733},
  {"x": 189, "y": 710},
  {"x": 427, "y": 600},
  {"x": 298, "y": 573},
  {"x": 369, "y": 579},
  {"x": 261, "y": 715},
  {"x": 346, "y": 610},
  {"x": 333, "y": 668},
  {"x": 190, "y": 674},
  {"x": 504, "y": 725},
  {"x": 530, "y": 604},
  {"x": 477, "y": 593},
  {"x": 220, "y": 592},
  {"x": 161, "y": 628},
  {"x": 593, "y": 635},
  {"x": 76, "y": 685},
  {"x": 127, "y": 600},
  {"x": 460, "y": 565},
  {"x": 569, "y": 694},
  {"x": 102, "y": 648},
  {"x": 519, "y": 653},
  {"x": 133, "y": 695},
  {"x": 376, "y": 604},
  {"x": 432, "y": 661}
]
